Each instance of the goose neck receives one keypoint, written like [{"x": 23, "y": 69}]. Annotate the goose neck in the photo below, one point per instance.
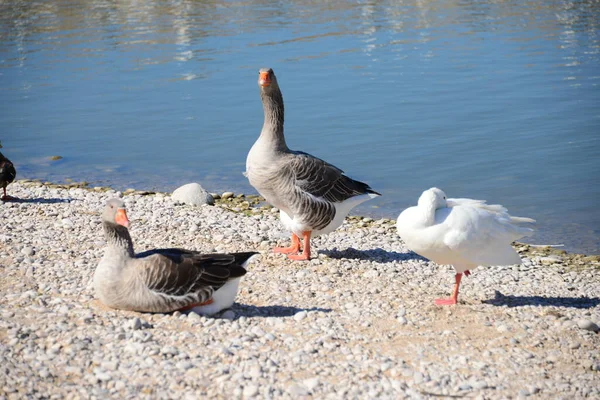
[
  {"x": 118, "y": 239},
  {"x": 272, "y": 130},
  {"x": 428, "y": 214}
]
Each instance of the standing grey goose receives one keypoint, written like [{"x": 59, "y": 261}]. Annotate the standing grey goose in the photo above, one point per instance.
[
  {"x": 7, "y": 174},
  {"x": 312, "y": 195},
  {"x": 162, "y": 280}
]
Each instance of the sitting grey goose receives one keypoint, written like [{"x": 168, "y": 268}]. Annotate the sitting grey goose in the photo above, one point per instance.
[
  {"x": 313, "y": 196},
  {"x": 163, "y": 280},
  {"x": 7, "y": 175}
]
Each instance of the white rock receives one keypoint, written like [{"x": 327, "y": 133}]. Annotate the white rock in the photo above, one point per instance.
[
  {"x": 299, "y": 316},
  {"x": 587, "y": 325},
  {"x": 311, "y": 383},
  {"x": 28, "y": 251},
  {"x": 192, "y": 194},
  {"x": 250, "y": 391}
]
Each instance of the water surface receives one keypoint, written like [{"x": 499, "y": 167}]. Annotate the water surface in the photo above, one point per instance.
[{"x": 486, "y": 99}]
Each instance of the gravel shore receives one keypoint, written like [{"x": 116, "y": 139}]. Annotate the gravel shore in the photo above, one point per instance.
[{"x": 357, "y": 321}]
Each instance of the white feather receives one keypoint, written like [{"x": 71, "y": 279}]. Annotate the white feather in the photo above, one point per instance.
[
  {"x": 341, "y": 211},
  {"x": 225, "y": 296},
  {"x": 464, "y": 233}
]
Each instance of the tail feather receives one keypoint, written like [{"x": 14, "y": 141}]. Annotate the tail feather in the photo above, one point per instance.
[{"x": 519, "y": 220}]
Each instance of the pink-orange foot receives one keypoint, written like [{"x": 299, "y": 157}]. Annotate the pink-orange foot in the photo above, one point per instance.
[
  {"x": 454, "y": 298},
  {"x": 445, "y": 302},
  {"x": 293, "y": 249},
  {"x": 299, "y": 257},
  {"x": 287, "y": 250},
  {"x": 305, "y": 248}
]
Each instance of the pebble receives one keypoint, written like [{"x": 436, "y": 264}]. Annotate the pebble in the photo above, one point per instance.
[
  {"x": 229, "y": 315},
  {"x": 135, "y": 324},
  {"x": 28, "y": 251},
  {"x": 587, "y": 325},
  {"x": 192, "y": 194},
  {"x": 297, "y": 390},
  {"x": 250, "y": 391},
  {"x": 300, "y": 315}
]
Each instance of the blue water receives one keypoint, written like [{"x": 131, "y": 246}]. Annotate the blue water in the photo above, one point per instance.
[{"x": 491, "y": 100}]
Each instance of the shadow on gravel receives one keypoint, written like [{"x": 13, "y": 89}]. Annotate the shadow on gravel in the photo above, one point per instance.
[
  {"x": 519, "y": 301},
  {"x": 272, "y": 311},
  {"x": 378, "y": 255},
  {"x": 39, "y": 200}
]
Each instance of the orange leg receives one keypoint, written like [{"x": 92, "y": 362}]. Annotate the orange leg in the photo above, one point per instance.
[
  {"x": 7, "y": 197},
  {"x": 305, "y": 250},
  {"x": 187, "y": 308},
  {"x": 454, "y": 298},
  {"x": 293, "y": 249}
]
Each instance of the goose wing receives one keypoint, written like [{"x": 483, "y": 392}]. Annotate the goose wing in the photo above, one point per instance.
[
  {"x": 7, "y": 171},
  {"x": 176, "y": 272},
  {"x": 481, "y": 233},
  {"x": 315, "y": 177}
]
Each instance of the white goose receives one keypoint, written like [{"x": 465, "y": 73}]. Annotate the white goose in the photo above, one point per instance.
[
  {"x": 312, "y": 195},
  {"x": 464, "y": 233},
  {"x": 163, "y": 280}
]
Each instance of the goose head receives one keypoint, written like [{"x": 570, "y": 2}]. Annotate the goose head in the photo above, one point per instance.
[
  {"x": 433, "y": 198},
  {"x": 115, "y": 213},
  {"x": 267, "y": 80}
]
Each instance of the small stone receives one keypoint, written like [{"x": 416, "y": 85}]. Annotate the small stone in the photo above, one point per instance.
[
  {"x": 270, "y": 336},
  {"x": 103, "y": 376},
  {"x": 192, "y": 194},
  {"x": 227, "y": 195},
  {"x": 27, "y": 251},
  {"x": 299, "y": 316},
  {"x": 184, "y": 365},
  {"x": 250, "y": 391},
  {"x": 587, "y": 325},
  {"x": 402, "y": 320},
  {"x": 169, "y": 350},
  {"x": 480, "y": 385},
  {"x": 135, "y": 324},
  {"x": 296, "y": 390},
  {"x": 311, "y": 383},
  {"x": 194, "y": 318},
  {"x": 551, "y": 260},
  {"x": 67, "y": 223}
]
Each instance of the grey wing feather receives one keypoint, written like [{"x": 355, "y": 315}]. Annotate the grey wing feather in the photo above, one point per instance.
[
  {"x": 7, "y": 171},
  {"x": 182, "y": 274},
  {"x": 323, "y": 180}
]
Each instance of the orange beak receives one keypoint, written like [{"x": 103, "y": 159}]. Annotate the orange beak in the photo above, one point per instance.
[
  {"x": 264, "y": 79},
  {"x": 121, "y": 218}
]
